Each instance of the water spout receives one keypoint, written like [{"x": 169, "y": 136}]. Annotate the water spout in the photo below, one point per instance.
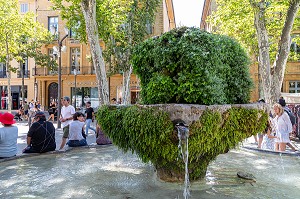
[{"x": 183, "y": 136}]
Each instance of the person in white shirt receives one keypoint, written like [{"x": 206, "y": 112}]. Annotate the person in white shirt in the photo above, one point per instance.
[
  {"x": 76, "y": 131},
  {"x": 283, "y": 128},
  {"x": 66, "y": 117}
]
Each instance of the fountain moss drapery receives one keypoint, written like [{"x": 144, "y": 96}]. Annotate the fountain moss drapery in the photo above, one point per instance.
[{"x": 150, "y": 133}]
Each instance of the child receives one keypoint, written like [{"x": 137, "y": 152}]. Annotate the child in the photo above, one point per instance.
[{"x": 268, "y": 142}]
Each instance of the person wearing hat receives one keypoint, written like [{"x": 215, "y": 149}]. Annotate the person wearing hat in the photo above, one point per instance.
[
  {"x": 8, "y": 136},
  {"x": 41, "y": 135}
]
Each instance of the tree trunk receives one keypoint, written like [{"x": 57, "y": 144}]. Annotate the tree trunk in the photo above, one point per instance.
[
  {"x": 126, "y": 86},
  {"x": 263, "y": 45},
  {"x": 88, "y": 8},
  {"x": 9, "y": 100},
  {"x": 22, "y": 87}
]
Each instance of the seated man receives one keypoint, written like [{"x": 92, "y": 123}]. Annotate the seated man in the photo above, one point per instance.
[{"x": 41, "y": 135}]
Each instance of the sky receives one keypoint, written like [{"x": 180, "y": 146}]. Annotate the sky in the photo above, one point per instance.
[{"x": 188, "y": 12}]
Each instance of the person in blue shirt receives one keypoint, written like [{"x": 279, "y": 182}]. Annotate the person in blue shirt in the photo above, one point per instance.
[{"x": 8, "y": 136}]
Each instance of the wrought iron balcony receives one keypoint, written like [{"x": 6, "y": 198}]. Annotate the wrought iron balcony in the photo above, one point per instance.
[
  {"x": 26, "y": 74},
  {"x": 83, "y": 70}
]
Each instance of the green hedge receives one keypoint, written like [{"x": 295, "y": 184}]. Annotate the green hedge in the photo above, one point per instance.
[
  {"x": 150, "y": 134},
  {"x": 188, "y": 65}
]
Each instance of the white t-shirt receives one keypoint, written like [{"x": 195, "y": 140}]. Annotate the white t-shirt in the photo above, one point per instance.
[
  {"x": 75, "y": 130},
  {"x": 67, "y": 112}
]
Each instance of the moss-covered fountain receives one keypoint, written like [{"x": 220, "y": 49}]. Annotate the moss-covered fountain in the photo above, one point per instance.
[{"x": 179, "y": 70}]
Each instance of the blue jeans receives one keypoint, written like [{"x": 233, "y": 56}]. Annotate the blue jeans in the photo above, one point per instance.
[
  {"x": 88, "y": 126},
  {"x": 76, "y": 143}
]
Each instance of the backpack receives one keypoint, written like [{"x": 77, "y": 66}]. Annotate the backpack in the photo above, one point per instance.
[{"x": 291, "y": 115}]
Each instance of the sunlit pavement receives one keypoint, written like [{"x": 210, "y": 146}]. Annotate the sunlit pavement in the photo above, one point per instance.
[{"x": 23, "y": 130}]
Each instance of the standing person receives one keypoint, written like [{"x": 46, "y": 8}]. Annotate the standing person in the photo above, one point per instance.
[
  {"x": 89, "y": 118},
  {"x": 52, "y": 109},
  {"x": 25, "y": 107},
  {"x": 66, "y": 117},
  {"x": 76, "y": 131},
  {"x": 283, "y": 128},
  {"x": 8, "y": 136},
  {"x": 292, "y": 118},
  {"x": 41, "y": 135}
]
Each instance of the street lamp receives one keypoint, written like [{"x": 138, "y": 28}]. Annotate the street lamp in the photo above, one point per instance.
[
  {"x": 75, "y": 74},
  {"x": 59, "y": 42}
]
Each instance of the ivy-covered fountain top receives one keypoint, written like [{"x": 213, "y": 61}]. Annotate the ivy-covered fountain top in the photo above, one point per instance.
[{"x": 186, "y": 66}]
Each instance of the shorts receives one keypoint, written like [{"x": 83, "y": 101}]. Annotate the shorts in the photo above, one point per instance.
[{"x": 66, "y": 131}]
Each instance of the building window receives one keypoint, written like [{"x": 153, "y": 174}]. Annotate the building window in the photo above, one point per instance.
[
  {"x": 295, "y": 48},
  {"x": 85, "y": 94},
  {"x": 2, "y": 70},
  {"x": 72, "y": 33},
  {"x": 25, "y": 70},
  {"x": 24, "y": 7},
  {"x": 75, "y": 60},
  {"x": 53, "y": 21},
  {"x": 294, "y": 87},
  {"x": 149, "y": 28}
]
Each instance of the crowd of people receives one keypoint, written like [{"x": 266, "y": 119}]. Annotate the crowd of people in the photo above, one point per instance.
[
  {"x": 27, "y": 110},
  {"x": 41, "y": 134},
  {"x": 276, "y": 136}
]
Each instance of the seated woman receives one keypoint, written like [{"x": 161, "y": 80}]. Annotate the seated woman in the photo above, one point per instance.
[
  {"x": 75, "y": 131},
  {"x": 8, "y": 136},
  {"x": 101, "y": 138}
]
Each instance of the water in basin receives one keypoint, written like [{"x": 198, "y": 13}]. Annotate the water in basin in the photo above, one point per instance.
[{"x": 107, "y": 173}]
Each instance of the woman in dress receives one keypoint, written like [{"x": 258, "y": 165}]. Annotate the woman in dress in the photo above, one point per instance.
[{"x": 283, "y": 128}]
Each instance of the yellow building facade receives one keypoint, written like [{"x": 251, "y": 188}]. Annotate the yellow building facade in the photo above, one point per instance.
[{"x": 41, "y": 84}]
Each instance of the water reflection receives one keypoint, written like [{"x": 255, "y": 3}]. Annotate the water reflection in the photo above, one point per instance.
[{"x": 106, "y": 172}]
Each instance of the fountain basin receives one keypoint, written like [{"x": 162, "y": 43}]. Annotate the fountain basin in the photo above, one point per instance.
[{"x": 106, "y": 172}]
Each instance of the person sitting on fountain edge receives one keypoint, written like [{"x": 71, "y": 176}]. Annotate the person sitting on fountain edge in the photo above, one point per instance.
[
  {"x": 76, "y": 131},
  {"x": 8, "y": 136},
  {"x": 41, "y": 135}
]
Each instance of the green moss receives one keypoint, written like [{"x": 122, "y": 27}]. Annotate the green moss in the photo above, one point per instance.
[{"x": 150, "y": 134}]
